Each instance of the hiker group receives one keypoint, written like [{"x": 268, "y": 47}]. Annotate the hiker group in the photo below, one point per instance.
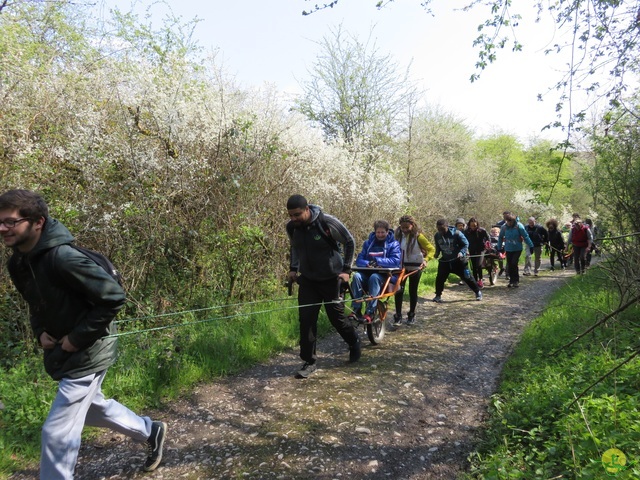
[
  {"x": 74, "y": 295},
  {"x": 322, "y": 250}
]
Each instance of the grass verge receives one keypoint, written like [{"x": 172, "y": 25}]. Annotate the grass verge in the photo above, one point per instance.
[{"x": 551, "y": 418}]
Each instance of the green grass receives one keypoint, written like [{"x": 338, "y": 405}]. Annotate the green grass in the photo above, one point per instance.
[{"x": 535, "y": 430}]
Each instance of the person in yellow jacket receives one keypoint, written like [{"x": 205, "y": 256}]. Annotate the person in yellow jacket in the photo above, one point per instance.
[{"x": 417, "y": 250}]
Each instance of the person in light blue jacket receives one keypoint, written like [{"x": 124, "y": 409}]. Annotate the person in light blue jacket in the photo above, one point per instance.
[{"x": 512, "y": 234}]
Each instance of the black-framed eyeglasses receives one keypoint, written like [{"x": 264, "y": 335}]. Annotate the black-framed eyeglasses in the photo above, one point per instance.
[{"x": 12, "y": 222}]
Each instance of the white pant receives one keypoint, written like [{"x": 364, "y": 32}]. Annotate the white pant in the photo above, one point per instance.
[{"x": 80, "y": 401}]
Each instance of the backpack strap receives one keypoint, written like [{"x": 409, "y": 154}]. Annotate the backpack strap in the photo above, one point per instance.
[
  {"x": 323, "y": 228},
  {"x": 96, "y": 257},
  {"x": 325, "y": 231}
]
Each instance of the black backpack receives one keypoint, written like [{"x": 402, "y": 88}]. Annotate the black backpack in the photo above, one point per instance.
[{"x": 97, "y": 257}]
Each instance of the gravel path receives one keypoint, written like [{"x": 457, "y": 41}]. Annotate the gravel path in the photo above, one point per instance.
[{"x": 412, "y": 408}]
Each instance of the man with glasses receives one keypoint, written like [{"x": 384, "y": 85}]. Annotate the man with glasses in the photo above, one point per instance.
[{"x": 72, "y": 319}]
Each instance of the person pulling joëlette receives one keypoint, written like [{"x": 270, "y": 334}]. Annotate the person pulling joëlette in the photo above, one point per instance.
[
  {"x": 453, "y": 248},
  {"x": 316, "y": 264},
  {"x": 72, "y": 319},
  {"x": 417, "y": 250}
]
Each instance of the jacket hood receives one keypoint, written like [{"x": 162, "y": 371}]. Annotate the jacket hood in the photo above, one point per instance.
[
  {"x": 315, "y": 211},
  {"x": 53, "y": 234}
]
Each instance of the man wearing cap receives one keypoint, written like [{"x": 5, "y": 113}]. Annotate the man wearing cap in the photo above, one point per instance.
[{"x": 581, "y": 238}]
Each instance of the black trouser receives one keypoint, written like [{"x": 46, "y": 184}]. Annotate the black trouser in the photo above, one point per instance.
[
  {"x": 414, "y": 281},
  {"x": 476, "y": 265},
  {"x": 512, "y": 266},
  {"x": 456, "y": 267},
  {"x": 310, "y": 295},
  {"x": 559, "y": 254}
]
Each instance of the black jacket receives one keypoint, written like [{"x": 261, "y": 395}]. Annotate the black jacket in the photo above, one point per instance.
[
  {"x": 556, "y": 240},
  {"x": 68, "y": 294},
  {"x": 538, "y": 234},
  {"x": 313, "y": 256},
  {"x": 477, "y": 239}
]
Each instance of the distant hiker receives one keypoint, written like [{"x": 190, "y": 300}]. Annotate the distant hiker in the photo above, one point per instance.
[
  {"x": 316, "y": 263},
  {"x": 512, "y": 234},
  {"x": 594, "y": 233},
  {"x": 539, "y": 237},
  {"x": 556, "y": 244},
  {"x": 581, "y": 238},
  {"x": 72, "y": 319},
  {"x": 499, "y": 225},
  {"x": 417, "y": 250},
  {"x": 460, "y": 225},
  {"x": 452, "y": 246},
  {"x": 478, "y": 241}
]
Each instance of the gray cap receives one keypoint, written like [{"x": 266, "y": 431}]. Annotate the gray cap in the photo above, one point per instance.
[{"x": 460, "y": 220}]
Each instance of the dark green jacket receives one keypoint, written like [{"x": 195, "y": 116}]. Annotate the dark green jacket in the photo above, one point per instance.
[{"x": 68, "y": 294}]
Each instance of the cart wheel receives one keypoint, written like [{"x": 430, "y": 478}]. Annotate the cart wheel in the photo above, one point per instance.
[{"x": 378, "y": 325}]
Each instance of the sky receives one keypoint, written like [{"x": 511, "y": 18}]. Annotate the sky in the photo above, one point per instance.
[{"x": 270, "y": 41}]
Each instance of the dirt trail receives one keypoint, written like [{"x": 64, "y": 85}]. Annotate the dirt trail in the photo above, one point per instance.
[{"x": 412, "y": 408}]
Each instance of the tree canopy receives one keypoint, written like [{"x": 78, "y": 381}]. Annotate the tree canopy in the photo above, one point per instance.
[{"x": 602, "y": 37}]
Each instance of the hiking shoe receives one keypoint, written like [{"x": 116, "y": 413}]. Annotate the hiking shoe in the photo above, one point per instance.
[
  {"x": 515, "y": 285},
  {"x": 397, "y": 320},
  {"x": 155, "y": 443},
  {"x": 437, "y": 299},
  {"x": 479, "y": 296},
  {"x": 510, "y": 285},
  {"x": 355, "y": 351},
  {"x": 480, "y": 284},
  {"x": 306, "y": 370},
  {"x": 411, "y": 319}
]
